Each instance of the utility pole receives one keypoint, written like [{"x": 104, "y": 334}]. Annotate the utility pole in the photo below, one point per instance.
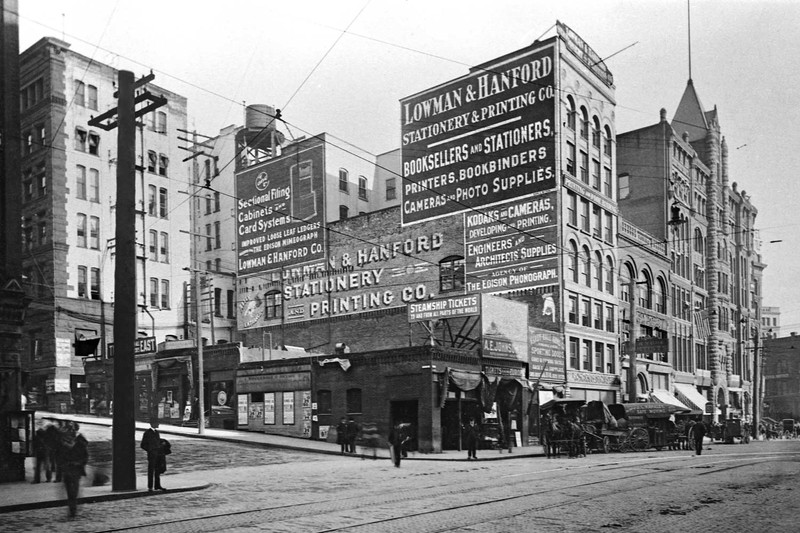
[
  {"x": 124, "y": 422},
  {"x": 756, "y": 384}
]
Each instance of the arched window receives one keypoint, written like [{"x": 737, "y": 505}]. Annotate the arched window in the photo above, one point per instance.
[
  {"x": 624, "y": 283},
  {"x": 610, "y": 276},
  {"x": 584, "y": 123},
  {"x": 598, "y": 271},
  {"x": 572, "y": 261},
  {"x": 273, "y": 303},
  {"x": 646, "y": 291},
  {"x": 661, "y": 296},
  {"x": 451, "y": 273},
  {"x": 607, "y": 141},
  {"x": 571, "y": 113},
  {"x": 587, "y": 266},
  {"x": 596, "y": 132},
  {"x": 698, "y": 240}
]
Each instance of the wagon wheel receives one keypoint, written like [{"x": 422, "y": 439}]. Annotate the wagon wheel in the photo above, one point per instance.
[
  {"x": 639, "y": 440},
  {"x": 623, "y": 443},
  {"x": 605, "y": 444}
]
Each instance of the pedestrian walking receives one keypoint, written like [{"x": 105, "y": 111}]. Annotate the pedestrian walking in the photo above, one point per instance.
[
  {"x": 698, "y": 432},
  {"x": 156, "y": 460},
  {"x": 398, "y": 437},
  {"x": 370, "y": 438},
  {"x": 341, "y": 435},
  {"x": 73, "y": 454},
  {"x": 42, "y": 456},
  {"x": 472, "y": 434},
  {"x": 352, "y": 433}
]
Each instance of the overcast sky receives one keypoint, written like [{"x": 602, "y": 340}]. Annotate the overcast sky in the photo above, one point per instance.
[{"x": 341, "y": 66}]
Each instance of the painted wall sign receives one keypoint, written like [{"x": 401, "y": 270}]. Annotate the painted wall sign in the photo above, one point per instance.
[
  {"x": 513, "y": 245},
  {"x": 280, "y": 211},
  {"x": 504, "y": 331},
  {"x": 480, "y": 139},
  {"x": 451, "y": 307},
  {"x": 546, "y": 355}
]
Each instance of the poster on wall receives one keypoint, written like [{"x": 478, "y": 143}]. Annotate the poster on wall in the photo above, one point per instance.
[
  {"x": 288, "y": 408},
  {"x": 504, "y": 328},
  {"x": 256, "y": 411},
  {"x": 323, "y": 432},
  {"x": 307, "y": 429},
  {"x": 241, "y": 404},
  {"x": 269, "y": 408},
  {"x": 481, "y": 139},
  {"x": 547, "y": 359}
]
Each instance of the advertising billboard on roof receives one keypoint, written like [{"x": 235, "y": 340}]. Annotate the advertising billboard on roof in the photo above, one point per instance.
[
  {"x": 280, "y": 211},
  {"x": 484, "y": 138}
]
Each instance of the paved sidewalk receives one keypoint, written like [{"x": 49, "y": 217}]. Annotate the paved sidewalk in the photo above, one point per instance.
[{"x": 26, "y": 495}]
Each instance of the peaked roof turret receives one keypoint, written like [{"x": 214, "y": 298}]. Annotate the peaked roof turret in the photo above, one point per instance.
[{"x": 690, "y": 117}]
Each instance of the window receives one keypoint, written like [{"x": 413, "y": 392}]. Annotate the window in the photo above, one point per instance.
[
  {"x": 94, "y": 185},
  {"x": 571, "y": 158},
  {"x": 609, "y": 228},
  {"x": 80, "y": 140},
  {"x": 164, "y": 247},
  {"x": 573, "y": 309},
  {"x": 660, "y": 296},
  {"x": 80, "y": 93},
  {"x": 584, "y": 167},
  {"x": 646, "y": 291},
  {"x": 161, "y": 122},
  {"x": 391, "y": 188},
  {"x": 94, "y": 287},
  {"x": 610, "y": 277},
  {"x": 31, "y": 94},
  {"x": 94, "y": 144},
  {"x": 572, "y": 208},
  {"x": 217, "y": 236},
  {"x": 164, "y": 294},
  {"x": 80, "y": 183},
  {"x": 354, "y": 401},
  {"x": 27, "y": 145},
  {"x": 81, "y": 230},
  {"x": 607, "y": 182},
  {"x": 624, "y": 186},
  {"x": 574, "y": 361},
  {"x": 607, "y": 141},
  {"x": 586, "y": 348},
  {"x": 598, "y": 315},
  {"x": 324, "y": 403},
  {"x": 587, "y": 267},
  {"x": 41, "y": 176},
  {"x": 598, "y": 271},
  {"x": 216, "y": 201},
  {"x": 162, "y": 202},
  {"x": 610, "y": 318},
  {"x": 625, "y": 294},
  {"x": 596, "y": 174},
  {"x": 599, "y": 349},
  {"x": 610, "y": 358},
  {"x": 343, "y": 180},
  {"x": 231, "y": 302},
  {"x": 153, "y": 292},
  {"x": 218, "y": 265},
  {"x": 94, "y": 233},
  {"x": 217, "y": 302},
  {"x": 208, "y": 204},
  {"x": 82, "y": 282},
  {"x": 597, "y": 215},
  {"x": 152, "y": 161},
  {"x": 153, "y": 245},
  {"x": 362, "y": 188},
  {"x": 585, "y": 215},
  {"x": 91, "y": 94},
  {"x": 273, "y": 304},
  {"x": 595, "y": 132},
  {"x": 151, "y": 200},
  {"x": 451, "y": 273},
  {"x": 344, "y": 212},
  {"x": 584, "y": 123},
  {"x": 586, "y": 312},
  {"x": 42, "y": 233},
  {"x": 572, "y": 261},
  {"x": 163, "y": 163},
  {"x": 209, "y": 241},
  {"x": 571, "y": 113}
]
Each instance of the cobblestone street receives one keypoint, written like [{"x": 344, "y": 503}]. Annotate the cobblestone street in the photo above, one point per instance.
[{"x": 734, "y": 487}]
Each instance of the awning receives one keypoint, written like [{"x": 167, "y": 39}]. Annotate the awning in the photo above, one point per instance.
[
  {"x": 664, "y": 396},
  {"x": 690, "y": 396}
]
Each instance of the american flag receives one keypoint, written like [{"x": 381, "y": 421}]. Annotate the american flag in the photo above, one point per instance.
[{"x": 702, "y": 330}]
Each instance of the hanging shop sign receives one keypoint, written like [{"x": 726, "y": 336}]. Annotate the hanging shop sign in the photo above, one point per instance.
[
  {"x": 280, "y": 211},
  {"x": 513, "y": 245},
  {"x": 452, "y": 307},
  {"x": 481, "y": 139}
]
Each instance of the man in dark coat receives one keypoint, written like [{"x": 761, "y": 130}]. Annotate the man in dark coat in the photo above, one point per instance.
[
  {"x": 472, "y": 434},
  {"x": 151, "y": 443},
  {"x": 352, "y": 433},
  {"x": 398, "y": 437},
  {"x": 341, "y": 436},
  {"x": 698, "y": 431},
  {"x": 42, "y": 454},
  {"x": 73, "y": 454}
]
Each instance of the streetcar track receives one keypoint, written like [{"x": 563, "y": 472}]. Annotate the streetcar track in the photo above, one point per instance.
[{"x": 572, "y": 470}]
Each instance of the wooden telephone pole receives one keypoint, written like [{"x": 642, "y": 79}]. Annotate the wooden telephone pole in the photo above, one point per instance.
[{"x": 124, "y": 422}]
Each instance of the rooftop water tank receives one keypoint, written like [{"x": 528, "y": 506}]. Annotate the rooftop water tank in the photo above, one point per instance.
[{"x": 259, "y": 117}]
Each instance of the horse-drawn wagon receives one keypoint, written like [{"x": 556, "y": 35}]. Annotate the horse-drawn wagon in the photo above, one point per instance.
[
  {"x": 562, "y": 427},
  {"x": 649, "y": 424}
]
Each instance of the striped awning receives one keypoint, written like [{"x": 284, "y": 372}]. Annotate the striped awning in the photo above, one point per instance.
[
  {"x": 690, "y": 396},
  {"x": 664, "y": 396}
]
